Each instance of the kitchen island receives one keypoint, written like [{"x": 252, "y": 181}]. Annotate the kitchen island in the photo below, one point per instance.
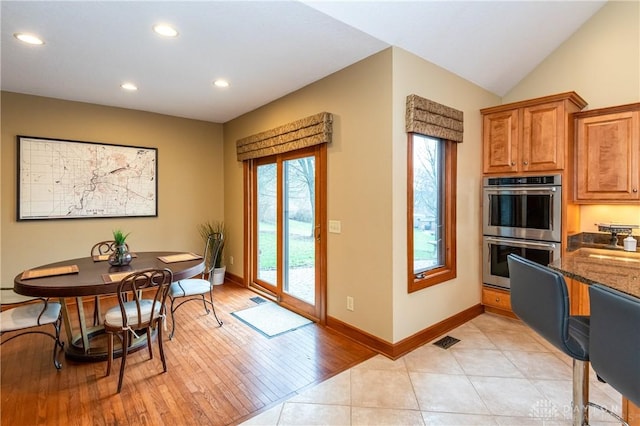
[{"x": 619, "y": 270}]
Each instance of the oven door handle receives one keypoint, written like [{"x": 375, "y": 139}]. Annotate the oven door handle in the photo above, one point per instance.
[
  {"x": 520, "y": 243},
  {"x": 543, "y": 189}
]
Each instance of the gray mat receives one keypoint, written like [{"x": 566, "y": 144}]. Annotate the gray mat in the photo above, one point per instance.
[{"x": 270, "y": 319}]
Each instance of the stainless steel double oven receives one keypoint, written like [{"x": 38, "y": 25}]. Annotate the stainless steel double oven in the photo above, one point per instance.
[{"x": 521, "y": 215}]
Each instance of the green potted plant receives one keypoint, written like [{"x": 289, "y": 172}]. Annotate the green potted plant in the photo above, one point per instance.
[
  {"x": 120, "y": 255},
  {"x": 207, "y": 229}
]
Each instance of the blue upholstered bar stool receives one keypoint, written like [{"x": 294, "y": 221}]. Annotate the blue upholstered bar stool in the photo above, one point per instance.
[
  {"x": 539, "y": 297},
  {"x": 614, "y": 347}
]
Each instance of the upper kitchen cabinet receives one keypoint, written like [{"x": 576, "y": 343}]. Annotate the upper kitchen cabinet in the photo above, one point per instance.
[
  {"x": 529, "y": 136},
  {"x": 608, "y": 155}
]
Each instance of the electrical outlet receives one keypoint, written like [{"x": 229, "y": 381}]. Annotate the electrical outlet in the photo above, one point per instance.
[
  {"x": 349, "y": 303},
  {"x": 231, "y": 260}
]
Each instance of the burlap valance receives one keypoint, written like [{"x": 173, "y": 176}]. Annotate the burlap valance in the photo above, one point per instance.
[
  {"x": 433, "y": 119},
  {"x": 302, "y": 133}
]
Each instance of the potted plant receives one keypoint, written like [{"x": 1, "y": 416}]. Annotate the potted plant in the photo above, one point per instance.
[
  {"x": 207, "y": 229},
  {"x": 120, "y": 255}
]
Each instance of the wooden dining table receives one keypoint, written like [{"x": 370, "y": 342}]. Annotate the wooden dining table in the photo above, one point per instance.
[{"x": 89, "y": 277}]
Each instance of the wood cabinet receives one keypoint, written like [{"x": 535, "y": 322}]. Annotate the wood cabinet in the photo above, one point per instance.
[
  {"x": 497, "y": 301},
  {"x": 578, "y": 297},
  {"x": 607, "y": 155},
  {"x": 529, "y": 136}
]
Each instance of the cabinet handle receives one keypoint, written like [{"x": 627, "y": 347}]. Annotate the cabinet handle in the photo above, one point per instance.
[
  {"x": 635, "y": 189},
  {"x": 497, "y": 299},
  {"x": 513, "y": 163},
  {"x": 526, "y": 163}
]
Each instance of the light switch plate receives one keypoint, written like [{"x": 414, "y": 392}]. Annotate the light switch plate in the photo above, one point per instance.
[{"x": 334, "y": 226}]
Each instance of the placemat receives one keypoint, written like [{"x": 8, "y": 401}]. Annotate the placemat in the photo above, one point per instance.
[
  {"x": 114, "y": 278},
  {"x": 102, "y": 257},
  {"x": 182, "y": 257},
  {"x": 50, "y": 272}
]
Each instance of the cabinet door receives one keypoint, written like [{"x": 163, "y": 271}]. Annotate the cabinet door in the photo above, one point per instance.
[
  {"x": 607, "y": 157},
  {"x": 543, "y": 128},
  {"x": 500, "y": 142},
  {"x": 578, "y": 297}
]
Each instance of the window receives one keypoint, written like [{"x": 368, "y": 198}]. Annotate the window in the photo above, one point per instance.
[{"x": 431, "y": 211}]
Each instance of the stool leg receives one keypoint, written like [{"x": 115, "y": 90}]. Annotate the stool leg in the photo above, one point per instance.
[{"x": 580, "y": 411}]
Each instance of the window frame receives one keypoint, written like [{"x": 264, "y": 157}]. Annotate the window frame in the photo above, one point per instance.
[{"x": 447, "y": 271}]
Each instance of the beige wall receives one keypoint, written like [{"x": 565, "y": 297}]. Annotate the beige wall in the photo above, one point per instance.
[
  {"x": 190, "y": 181},
  {"x": 418, "y": 310},
  {"x": 601, "y": 62},
  {"x": 367, "y": 189},
  {"x": 359, "y": 185}
]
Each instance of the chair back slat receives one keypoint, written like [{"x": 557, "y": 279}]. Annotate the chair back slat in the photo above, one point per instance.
[
  {"x": 212, "y": 250},
  {"x": 131, "y": 289},
  {"x": 105, "y": 247}
]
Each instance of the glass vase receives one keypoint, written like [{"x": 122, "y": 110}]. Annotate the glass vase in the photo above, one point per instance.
[{"x": 120, "y": 256}]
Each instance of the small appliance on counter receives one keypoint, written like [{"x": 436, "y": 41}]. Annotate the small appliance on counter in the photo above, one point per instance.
[
  {"x": 630, "y": 243},
  {"x": 618, "y": 228}
]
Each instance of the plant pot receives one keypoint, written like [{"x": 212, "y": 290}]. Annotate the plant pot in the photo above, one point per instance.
[{"x": 218, "y": 275}]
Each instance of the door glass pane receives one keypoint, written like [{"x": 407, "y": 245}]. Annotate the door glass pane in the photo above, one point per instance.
[
  {"x": 299, "y": 257},
  {"x": 428, "y": 204},
  {"x": 267, "y": 215}
]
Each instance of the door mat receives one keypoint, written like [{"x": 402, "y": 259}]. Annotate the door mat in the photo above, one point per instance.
[
  {"x": 446, "y": 342},
  {"x": 257, "y": 299},
  {"x": 270, "y": 319}
]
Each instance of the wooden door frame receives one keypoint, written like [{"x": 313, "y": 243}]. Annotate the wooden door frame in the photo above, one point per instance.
[{"x": 320, "y": 314}]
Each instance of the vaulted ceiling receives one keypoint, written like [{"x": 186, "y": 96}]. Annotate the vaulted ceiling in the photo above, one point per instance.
[{"x": 264, "y": 49}]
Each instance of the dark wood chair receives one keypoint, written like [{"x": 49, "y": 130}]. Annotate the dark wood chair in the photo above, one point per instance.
[
  {"x": 137, "y": 314},
  {"x": 100, "y": 252}
]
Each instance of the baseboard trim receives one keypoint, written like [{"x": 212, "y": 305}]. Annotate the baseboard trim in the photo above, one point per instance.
[
  {"x": 502, "y": 312},
  {"x": 234, "y": 279},
  {"x": 396, "y": 350}
]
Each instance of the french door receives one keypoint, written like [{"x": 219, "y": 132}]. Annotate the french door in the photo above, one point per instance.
[{"x": 286, "y": 236}]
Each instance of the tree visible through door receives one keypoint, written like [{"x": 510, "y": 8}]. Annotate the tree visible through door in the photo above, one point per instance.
[{"x": 286, "y": 228}]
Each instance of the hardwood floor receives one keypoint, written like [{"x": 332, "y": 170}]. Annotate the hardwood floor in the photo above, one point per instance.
[{"x": 216, "y": 376}]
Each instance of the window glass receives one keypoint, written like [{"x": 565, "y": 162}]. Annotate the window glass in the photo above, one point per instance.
[
  {"x": 431, "y": 210},
  {"x": 428, "y": 242}
]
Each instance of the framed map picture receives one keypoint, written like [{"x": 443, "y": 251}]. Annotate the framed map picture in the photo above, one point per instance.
[{"x": 65, "y": 179}]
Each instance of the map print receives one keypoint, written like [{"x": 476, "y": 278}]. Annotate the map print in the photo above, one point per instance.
[{"x": 66, "y": 179}]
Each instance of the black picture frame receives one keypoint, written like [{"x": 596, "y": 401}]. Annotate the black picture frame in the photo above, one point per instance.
[{"x": 70, "y": 179}]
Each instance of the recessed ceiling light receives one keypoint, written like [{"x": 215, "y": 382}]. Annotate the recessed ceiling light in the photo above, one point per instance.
[
  {"x": 221, "y": 83},
  {"x": 129, "y": 86},
  {"x": 28, "y": 38},
  {"x": 165, "y": 30}
]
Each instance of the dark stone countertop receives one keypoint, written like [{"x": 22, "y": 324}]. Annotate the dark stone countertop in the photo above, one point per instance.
[{"x": 619, "y": 270}]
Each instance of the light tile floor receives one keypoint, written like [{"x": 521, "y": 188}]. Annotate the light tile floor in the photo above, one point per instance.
[{"x": 500, "y": 373}]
